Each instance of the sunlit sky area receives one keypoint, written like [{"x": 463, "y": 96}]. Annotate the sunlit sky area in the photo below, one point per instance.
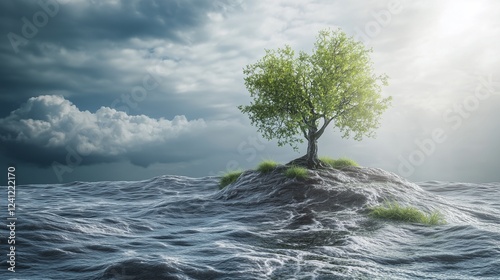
[{"x": 128, "y": 90}]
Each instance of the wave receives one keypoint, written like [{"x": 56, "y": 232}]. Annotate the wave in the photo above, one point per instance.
[{"x": 263, "y": 226}]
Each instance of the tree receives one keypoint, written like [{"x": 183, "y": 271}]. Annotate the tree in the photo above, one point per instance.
[{"x": 299, "y": 96}]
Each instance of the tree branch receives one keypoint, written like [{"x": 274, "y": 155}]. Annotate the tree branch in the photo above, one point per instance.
[{"x": 322, "y": 129}]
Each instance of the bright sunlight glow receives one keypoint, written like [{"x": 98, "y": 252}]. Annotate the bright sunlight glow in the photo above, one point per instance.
[{"x": 460, "y": 16}]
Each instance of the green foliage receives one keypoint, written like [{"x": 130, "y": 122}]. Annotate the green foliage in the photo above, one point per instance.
[
  {"x": 296, "y": 172},
  {"x": 267, "y": 166},
  {"x": 396, "y": 212},
  {"x": 229, "y": 178},
  {"x": 298, "y": 96},
  {"x": 338, "y": 163},
  {"x": 435, "y": 218}
]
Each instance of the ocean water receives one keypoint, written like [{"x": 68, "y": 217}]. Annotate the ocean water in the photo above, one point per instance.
[{"x": 264, "y": 226}]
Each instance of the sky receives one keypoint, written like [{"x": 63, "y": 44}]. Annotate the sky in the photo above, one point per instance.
[{"x": 129, "y": 90}]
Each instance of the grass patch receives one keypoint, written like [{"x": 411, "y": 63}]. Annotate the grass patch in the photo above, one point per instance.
[
  {"x": 229, "y": 178},
  {"x": 267, "y": 166},
  {"x": 338, "y": 163},
  {"x": 394, "y": 211},
  {"x": 296, "y": 172}
]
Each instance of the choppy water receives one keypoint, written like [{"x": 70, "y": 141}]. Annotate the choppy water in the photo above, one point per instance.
[{"x": 262, "y": 227}]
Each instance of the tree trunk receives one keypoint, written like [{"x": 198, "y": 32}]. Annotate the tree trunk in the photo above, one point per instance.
[{"x": 312, "y": 149}]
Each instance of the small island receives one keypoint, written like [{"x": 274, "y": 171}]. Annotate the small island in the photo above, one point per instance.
[
  {"x": 296, "y": 97},
  {"x": 332, "y": 172}
]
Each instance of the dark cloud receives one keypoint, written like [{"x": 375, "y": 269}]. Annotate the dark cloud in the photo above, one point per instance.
[
  {"x": 82, "y": 24},
  {"x": 80, "y": 48}
]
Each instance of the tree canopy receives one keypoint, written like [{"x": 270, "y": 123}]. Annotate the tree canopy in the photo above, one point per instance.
[{"x": 296, "y": 97}]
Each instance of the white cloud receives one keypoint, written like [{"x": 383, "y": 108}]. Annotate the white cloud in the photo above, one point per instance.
[{"x": 52, "y": 122}]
